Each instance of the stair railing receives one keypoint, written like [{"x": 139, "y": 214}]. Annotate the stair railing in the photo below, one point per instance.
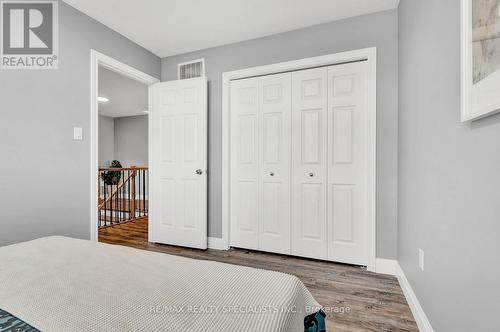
[{"x": 123, "y": 195}]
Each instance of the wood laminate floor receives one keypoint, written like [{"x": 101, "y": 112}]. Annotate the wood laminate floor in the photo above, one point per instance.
[{"x": 370, "y": 301}]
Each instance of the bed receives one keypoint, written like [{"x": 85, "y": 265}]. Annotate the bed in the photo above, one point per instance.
[{"x": 65, "y": 284}]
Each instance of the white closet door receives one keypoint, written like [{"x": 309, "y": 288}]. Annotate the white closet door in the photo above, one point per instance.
[
  {"x": 274, "y": 198},
  {"x": 260, "y": 163},
  {"x": 309, "y": 163},
  {"x": 348, "y": 163},
  {"x": 245, "y": 164}
]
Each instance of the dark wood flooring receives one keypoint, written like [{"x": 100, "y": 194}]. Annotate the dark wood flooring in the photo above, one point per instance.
[{"x": 370, "y": 301}]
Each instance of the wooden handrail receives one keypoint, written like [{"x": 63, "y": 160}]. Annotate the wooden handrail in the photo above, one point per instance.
[
  {"x": 115, "y": 169},
  {"x": 119, "y": 185}
]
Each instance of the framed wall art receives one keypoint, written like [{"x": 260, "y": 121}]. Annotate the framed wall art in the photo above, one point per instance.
[{"x": 480, "y": 58}]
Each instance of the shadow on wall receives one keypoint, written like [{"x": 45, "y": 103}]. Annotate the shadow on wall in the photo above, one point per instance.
[{"x": 492, "y": 120}]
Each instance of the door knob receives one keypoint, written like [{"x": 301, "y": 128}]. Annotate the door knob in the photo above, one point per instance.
[
  {"x": 311, "y": 175},
  {"x": 199, "y": 171},
  {"x": 272, "y": 173}
]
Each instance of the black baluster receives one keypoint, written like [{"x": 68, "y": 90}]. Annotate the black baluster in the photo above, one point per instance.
[
  {"x": 117, "y": 201},
  {"x": 139, "y": 201},
  {"x": 105, "y": 203},
  {"x": 143, "y": 192},
  {"x": 119, "y": 205},
  {"x": 128, "y": 195},
  {"x": 99, "y": 222},
  {"x": 111, "y": 204},
  {"x": 119, "y": 198}
]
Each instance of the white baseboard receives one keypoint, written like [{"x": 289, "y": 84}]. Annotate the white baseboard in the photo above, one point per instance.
[
  {"x": 418, "y": 312},
  {"x": 386, "y": 266},
  {"x": 392, "y": 267},
  {"x": 217, "y": 243}
]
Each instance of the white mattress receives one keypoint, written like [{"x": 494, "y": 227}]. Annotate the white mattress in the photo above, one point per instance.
[{"x": 64, "y": 284}]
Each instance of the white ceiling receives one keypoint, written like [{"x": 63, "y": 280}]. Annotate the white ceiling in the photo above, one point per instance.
[
  {"x": 126, "y": 96},
  {"x": 169, "y": 27}
]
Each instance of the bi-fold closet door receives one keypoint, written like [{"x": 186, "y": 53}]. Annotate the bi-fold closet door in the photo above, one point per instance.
[
  {"x": 299, "y": 150},
  {"x": 260, "y": 163},
  {"x": 309, "y": 169}
]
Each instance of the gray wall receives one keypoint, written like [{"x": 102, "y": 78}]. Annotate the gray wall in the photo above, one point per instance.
[
  {"x": 44, "y": 176},
  {"x": 378, "y": 30},
  {"x": 106, "y": 140},
  {"x": 131, "y": 140},
  {"x": 449, "y": 176}
]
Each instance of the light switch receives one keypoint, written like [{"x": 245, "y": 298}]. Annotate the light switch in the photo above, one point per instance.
[
  {"x": 77, "y": 133},
  {"x": 421, "y": 256}
]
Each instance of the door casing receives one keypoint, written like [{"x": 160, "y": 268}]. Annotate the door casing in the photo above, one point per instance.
[{"x": 98, "y": 59}]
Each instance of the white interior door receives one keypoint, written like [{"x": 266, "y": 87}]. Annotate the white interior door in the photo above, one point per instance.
[
  {"x": 348, "y": 167},
  {"x": 179, "y": 162},
  {"x": 309, "y": 161},
  {"x": 260, "y": 163}
]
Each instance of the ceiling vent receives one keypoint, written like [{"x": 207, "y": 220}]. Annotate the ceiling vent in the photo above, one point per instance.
[{"x": 191, "y": 69}]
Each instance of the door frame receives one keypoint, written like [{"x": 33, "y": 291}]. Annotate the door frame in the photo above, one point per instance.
[
  {"x": 98, "y": 59},
  {"x": 366, "y": 54}
]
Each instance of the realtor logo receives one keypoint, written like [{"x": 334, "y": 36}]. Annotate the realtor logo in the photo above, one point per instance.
[{"x": 29, "y": 34}]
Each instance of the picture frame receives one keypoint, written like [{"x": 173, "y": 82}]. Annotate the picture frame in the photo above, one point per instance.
[{"x": 480, "y": 58}]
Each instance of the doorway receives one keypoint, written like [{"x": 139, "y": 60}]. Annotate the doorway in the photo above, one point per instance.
[{"x": 120, "y": 144}]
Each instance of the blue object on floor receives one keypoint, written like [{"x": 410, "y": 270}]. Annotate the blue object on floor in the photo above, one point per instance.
[{"x": 315, "y": 322}]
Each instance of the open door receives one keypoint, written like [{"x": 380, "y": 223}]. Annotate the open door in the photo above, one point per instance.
[{"x": 179, "y": 162}]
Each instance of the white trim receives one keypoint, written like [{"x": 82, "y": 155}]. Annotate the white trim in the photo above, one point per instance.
[
  {"x": 423, "y": 322},
  {"x": 368, "y": 54},
  {"x": 387, "y": 266},
  {"x": 465, "y": 56},
  {"x": 151, "y": 237},
  {"x": 392, "y": 267},
  {"x": 217, "y": 243},
  {"x": 372, "y": 160},
  {"x": 98, "y": 59},
  {"x": 467, "y": 112}
]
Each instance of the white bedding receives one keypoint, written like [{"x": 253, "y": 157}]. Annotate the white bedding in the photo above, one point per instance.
[{"x": 63, "y": 284}]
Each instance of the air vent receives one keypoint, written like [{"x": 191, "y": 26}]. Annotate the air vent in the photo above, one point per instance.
[{"x": 191, "y": 69}]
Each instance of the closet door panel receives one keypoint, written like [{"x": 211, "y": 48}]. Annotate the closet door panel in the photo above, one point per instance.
[
  {"x": 275, "y": 115},
  {"x": 245, "y": 163},
  {"x": 309, "y": 160},
  {"x": 347, "y": 163}
]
